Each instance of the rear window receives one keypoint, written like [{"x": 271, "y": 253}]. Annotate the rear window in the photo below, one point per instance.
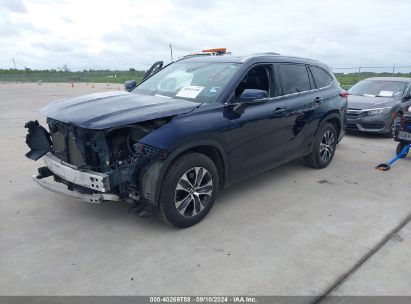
[
  {"x": 295, "y": 78},
  {"x": 378, "y": 88},
  {"x": 321, "y": 77}
]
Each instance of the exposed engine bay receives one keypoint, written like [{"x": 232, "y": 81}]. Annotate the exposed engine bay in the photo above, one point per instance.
[
  {"x": 122, "y": 142},
  {"x": 115, "y": 152}
]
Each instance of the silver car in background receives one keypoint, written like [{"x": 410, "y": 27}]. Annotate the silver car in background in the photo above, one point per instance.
[{"x": 376, "y": 104}]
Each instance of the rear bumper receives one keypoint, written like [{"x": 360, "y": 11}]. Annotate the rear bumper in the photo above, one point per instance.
[{"x": 97, "y": 184}]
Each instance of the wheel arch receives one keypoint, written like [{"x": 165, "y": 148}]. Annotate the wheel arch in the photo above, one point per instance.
[
  {"x": 151, "y": 179},
  {"x": 335, "y": 119}
]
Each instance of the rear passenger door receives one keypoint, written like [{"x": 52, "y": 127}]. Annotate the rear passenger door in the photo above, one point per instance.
[{"x": 301, "y": 100}]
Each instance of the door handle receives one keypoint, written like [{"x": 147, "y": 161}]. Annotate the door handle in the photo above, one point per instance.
[
  {"x": 279, "y": 112},
  {"x": 318, "y": 99}
]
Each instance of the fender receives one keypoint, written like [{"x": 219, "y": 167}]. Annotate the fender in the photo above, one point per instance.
[
  {"x": 329, "y": 116},
  {"x": 151, "y": 179}
]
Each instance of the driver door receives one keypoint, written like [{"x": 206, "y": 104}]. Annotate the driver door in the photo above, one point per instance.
[{"x": 257, "y": 135}]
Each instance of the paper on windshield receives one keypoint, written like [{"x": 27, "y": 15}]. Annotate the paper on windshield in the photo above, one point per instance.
[
  {"x": 190, "y": 92},
  {"x": 386, "y": 93}
]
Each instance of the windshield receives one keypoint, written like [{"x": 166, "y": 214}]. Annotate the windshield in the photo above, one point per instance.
[
  {"x": 378, "y": 88},
  {"x": 194, "y": 81}
]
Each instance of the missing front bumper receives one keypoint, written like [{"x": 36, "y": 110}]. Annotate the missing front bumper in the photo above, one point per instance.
[
  {"x": 89, "y": 179},
  {"x": 98, "y": 184},
  {"x": 62, "y": 189}
]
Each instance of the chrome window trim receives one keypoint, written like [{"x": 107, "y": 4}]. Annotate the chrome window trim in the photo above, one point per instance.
[{"x": 316, "y": 89}]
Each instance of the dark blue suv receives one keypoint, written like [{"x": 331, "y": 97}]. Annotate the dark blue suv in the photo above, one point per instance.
[{"x": 189, "y": 130}]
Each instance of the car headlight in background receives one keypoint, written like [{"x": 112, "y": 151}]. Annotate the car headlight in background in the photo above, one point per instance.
[{"x": 378, "y": 111}]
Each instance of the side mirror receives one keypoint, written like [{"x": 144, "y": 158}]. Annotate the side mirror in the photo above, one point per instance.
[
  {"x": 130, "y": 85},
  {"x": 252, "y": 94},
  {"x": 250, "y": 97}
]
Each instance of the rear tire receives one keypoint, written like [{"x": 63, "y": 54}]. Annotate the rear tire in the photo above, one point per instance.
[
  {"x": 324, "y": 145},
  {"x": 189, "y": 190}
]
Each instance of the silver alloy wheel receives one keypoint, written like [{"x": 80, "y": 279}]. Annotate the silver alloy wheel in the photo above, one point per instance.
[
  {"x": 327, "y": 145},
  {"x": 193, "y": 191}
]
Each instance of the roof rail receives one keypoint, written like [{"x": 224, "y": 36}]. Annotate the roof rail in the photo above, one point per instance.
[{"x": 260, "y": 54}]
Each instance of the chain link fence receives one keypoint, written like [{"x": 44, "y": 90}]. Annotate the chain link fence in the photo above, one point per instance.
[{"x": 347, "y": 76}]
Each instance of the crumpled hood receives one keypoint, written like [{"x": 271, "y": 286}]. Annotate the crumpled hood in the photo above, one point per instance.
[
  {"x": 113, "y": 109},
  {"x": 365, "y": 102}
]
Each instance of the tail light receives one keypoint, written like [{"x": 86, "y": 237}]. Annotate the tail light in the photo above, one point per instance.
[{"x": 344, "y": 94}]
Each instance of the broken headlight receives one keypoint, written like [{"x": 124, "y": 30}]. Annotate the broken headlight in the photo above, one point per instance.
[{"x": 123, "y": 143}]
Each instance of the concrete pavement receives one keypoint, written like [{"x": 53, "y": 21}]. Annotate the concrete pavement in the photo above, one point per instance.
[{"x": 289, "y": 231}]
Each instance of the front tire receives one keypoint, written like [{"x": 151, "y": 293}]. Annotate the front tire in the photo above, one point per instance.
[
  {"x": 391, "y": 132},
  {"x": 189, "y": 190},
  {"x": 325, "y": 143}
]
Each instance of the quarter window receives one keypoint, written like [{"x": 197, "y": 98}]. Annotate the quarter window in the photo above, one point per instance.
[
  {"x": 321, "y": 77},
  {"x": 295, "y": 78}
]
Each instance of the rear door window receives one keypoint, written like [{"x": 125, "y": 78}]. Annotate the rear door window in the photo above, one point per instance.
[
  {"x": 321, "y": 77},
  {"x": 295, "y": 78}
]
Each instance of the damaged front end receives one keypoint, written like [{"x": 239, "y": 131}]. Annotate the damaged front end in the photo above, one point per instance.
[{"x": 95, "y": 165}]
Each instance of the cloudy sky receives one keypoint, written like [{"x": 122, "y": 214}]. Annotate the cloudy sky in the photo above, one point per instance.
[{"x": 120, "y": 34}]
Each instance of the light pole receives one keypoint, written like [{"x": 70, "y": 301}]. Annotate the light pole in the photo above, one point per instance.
[{"x": 171, "y": 52}]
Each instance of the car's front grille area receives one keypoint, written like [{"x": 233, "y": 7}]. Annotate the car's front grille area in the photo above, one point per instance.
[
  {"x": 373, "y": 125},
  {"x": 66, "y": 146},
  {"x": 75, "y": 156},
  {"x": 59, "y": 145}
]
